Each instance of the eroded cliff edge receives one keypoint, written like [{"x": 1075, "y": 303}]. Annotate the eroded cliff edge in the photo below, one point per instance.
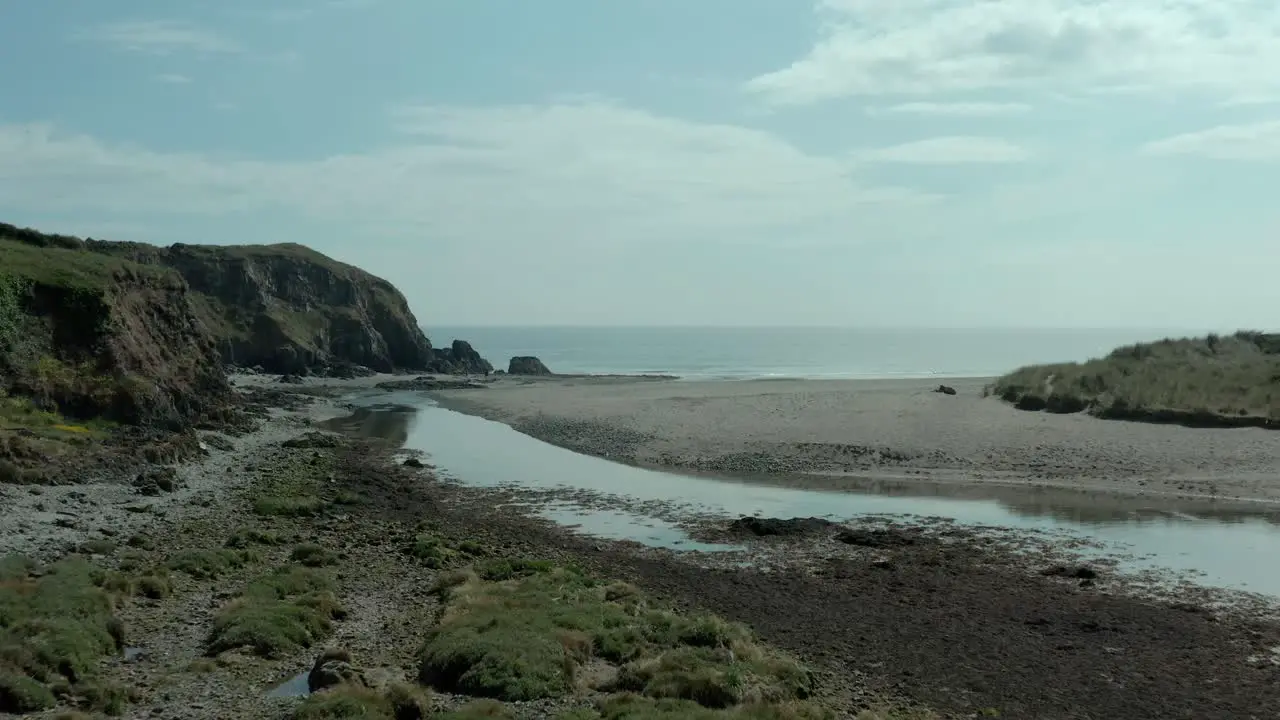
[
  {"x": 290, "y": 309},
  {"x": 140, "y": 334}
]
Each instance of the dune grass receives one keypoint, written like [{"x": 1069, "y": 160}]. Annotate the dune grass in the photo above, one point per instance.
[
  {"x": 531, "y": 631},
  {"x": 1216, "y": 380}
]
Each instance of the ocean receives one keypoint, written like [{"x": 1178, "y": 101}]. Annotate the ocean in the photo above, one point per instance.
[{"x": 745, "y": 353}]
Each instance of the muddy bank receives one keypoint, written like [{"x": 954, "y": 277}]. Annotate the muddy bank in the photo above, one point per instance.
[{"x": 855, "y": 432}]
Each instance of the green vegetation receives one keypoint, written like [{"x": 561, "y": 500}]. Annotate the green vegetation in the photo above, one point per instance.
[
  {"x": 529, "y": 631},
  {"x": 53, "y": 630},
  {"x": 211, "y": 564},
  {"x": 12, "y": 290},
  {"x": 71, "y": 269},
  {"x": 298, "y": 506},
  {"x": 248, "y": 537},
  {"x": 278, "y": 613},
  {"x": 313, "y": 555},
  {"x": 1212, "y": 381}
]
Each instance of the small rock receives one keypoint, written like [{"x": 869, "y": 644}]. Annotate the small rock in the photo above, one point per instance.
[
  {"x": 334, "y": 667},
  {"x": 413, "y": 462},
  {"x": 156, "y": 481}
]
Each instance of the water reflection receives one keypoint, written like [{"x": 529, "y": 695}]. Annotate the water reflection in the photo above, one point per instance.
[{"x": 1232, "y": 548}]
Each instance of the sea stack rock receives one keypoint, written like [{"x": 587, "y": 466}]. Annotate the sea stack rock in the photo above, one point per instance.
[
  {"x": 527, "y": 365},
  {"x": 459, "y": 359}
]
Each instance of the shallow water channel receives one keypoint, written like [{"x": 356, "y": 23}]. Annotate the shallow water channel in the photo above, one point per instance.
[{"x": 1234, "y": 550}]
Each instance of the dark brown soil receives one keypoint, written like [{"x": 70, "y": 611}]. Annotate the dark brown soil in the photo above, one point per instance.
[{"x": 954, "y": 626}]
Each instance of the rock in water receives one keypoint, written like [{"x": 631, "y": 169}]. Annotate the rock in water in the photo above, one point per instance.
[{"x": 527, "y": 365}]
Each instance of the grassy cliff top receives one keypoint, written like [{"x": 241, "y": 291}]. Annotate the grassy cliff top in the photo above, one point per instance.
[
  {"x": 60, "y": 266},
  {"x": 1212, "y": 380}
]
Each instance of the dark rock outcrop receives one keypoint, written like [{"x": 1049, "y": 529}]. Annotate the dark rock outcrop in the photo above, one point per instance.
[
  {"x": 766, "y": 526},
  {"x": 458, "y": 359},
  {"x": 527, "y": 365}
]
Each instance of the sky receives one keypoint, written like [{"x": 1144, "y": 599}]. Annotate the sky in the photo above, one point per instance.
[{"x": 922, "y": 163}]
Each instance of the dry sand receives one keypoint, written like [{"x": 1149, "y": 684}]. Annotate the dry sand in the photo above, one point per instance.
[{"x": 866, "y": 433}]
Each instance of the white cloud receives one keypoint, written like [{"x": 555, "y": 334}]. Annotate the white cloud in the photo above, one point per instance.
[
  {"x": 955, "y": 109},
  {"x": 953, "y": 150},
  {"x": 1257, "y": 141},
  {"x": 173, "y": 79},
  {"x": 571, "y": 173},
  {"x": 868, "y": 47},
  {"x": 160, "y": 37}
]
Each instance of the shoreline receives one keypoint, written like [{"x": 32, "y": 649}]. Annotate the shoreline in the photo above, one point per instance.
[
  {"x": 903, "y": 619},
  {"x": 851, "y": 434}
]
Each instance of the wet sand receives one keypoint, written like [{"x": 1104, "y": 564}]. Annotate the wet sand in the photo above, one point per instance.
[{"x": 857, "y": 434}]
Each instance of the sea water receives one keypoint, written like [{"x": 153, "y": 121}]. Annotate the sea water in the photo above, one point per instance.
[{"x": 743, "y": 353}]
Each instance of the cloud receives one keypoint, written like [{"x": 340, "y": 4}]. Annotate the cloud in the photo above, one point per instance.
[
  {"x": 955, "y": 109},
  {"x": 1257, "y": 141},
  {"x": 916, "y": 47},
  {"x": 585, "y": 173},
  {"x": 173, "y": 79},
  {"x": 160, "y": 37},
  {"x": 953, "y": 150}
]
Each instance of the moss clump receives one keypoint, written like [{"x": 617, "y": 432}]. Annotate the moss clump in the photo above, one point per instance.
[
  {"x": 211, "y": 564},
  {"x": 399, "y": 702},
  {"x": 98, "y": 547},
  {"x": 312, "y": 555},
  {"x": 53, "y": 631},
  {"x": 525, "y": 634},
  {"x": 278, "y": 613},
  {"x": 249, "y": 537},
  {"x": 22, "y": 694},
  {"x": 430, "y": 550},
  {"x": 154, "y": 586},
  {"x": 297, "y": 506}
]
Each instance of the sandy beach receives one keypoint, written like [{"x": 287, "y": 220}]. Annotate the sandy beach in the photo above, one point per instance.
[{"x": 858, "y": 433}]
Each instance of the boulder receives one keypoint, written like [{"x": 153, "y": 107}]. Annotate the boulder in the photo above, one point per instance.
[
  {"x": 945, "y": 390},
  {"x": 527, "y": 365}
]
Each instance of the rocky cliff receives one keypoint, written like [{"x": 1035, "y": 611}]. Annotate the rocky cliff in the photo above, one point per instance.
[
  {"x": 86, "y": 335},
  {"x": 290, "y": 309}
]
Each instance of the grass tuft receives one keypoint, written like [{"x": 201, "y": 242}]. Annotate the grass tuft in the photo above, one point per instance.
[
  {"x": 212, "y": 564},
  {"x": 313, "y": 555},
  {"x": 278, "y": 613}
]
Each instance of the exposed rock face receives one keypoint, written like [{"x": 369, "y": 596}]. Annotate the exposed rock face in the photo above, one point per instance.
[
  {"x": 291, "y": 309},
  {"x": 527, "y": 365},
  {"x": 459, "y": 359},
  {"x": 94, "y": 336}
]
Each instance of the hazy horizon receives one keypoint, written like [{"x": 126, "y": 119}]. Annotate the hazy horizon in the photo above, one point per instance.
[{"x": 764, "y": 163}]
